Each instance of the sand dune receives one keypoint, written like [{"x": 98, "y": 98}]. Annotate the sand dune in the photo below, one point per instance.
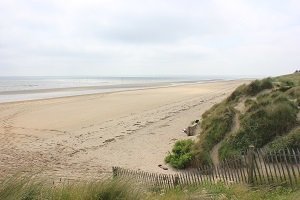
[{"x": 84, "y": 136}]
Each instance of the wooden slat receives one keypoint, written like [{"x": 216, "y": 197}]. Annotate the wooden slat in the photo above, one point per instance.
[
  {"x": 287, "y": 167},
  {"x": 278, "y": 167},
  {"x": 282, "y": 167},
  {"x": 291, "y": 164},
  {"x": 223, "y": 174},
  {"x": 233, "y": 171},
  {"x": 257, "y": 167},
  {"x": 245, "y": 169},
  {"x": 237, "y": 170},
  {"x": 200, "y": 175},
  {"x": 226, "y": 174},
  {"x": 265, "y": 177},
  {"x": 268, "y": 164},
  {"x": 296, "y": 161},
  {"x": 218, "y": 173},
  {"x": 228, "y": 170},
  {"x": 275, "y": 166}
]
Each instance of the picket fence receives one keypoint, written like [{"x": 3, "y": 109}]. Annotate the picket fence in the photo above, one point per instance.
[{"x": 254, "y": 167}]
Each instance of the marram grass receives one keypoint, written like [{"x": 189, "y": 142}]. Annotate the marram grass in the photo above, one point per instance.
[{"x": 28, "y": 188}]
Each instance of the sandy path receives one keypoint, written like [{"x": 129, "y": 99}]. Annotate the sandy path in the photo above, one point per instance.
[{"x": 84, "y": 136}]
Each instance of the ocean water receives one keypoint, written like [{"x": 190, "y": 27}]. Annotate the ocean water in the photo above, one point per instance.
[{"x": 30, "y": 88}]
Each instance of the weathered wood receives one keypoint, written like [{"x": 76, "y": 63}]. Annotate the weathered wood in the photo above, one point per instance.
[
  {"x": 275, "y": 168},
  {"x": 282, "y": 167},
  {"x": 199, "y": 174},
  {"x": 233, "y": 171},
  {"x": 245, "y": 169},
  {"x": 287, "y": 168},
  {"x": 257, "y": 168},
  {"x": 218, "y": 173},
  {"x": 237, "y": 170},
  {"x": 176, "y": 180},
  {"x": 230, "y": 176},
  {"x": 269, "y": 167},
  {"x": 292, "y": 166},
  {"x": 181, "y": 180},
  {"x": 223, "y": 174},
  {"x": 251, "y": 164},
  {"x": 278, "y": 166},
  {"x": 196, "y": 177},
  {"x": 226, "y": 174},
  {"x": 264, "y": 169},
  {"x": 190, "y": 178},
  {"x": 296, "y": 161},
  {"x": 266, "y": 161}
]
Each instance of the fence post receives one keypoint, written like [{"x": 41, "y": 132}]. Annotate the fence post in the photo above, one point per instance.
[
  {"x": 250, "y": 166},
  {"x": 114, "y": 169},
  {"x": 176, "y": 180}
]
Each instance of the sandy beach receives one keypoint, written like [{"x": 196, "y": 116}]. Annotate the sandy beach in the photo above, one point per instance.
[{"x": 84, "y": 136}]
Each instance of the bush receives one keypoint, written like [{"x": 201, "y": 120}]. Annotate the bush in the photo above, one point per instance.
[
  {"x": 257, "y": 86},
  {"x": 291, "y": 140},
  {"x": 216, "y": 125},
  {"x": 181, "y": 155},
  {"x": 237, "y": 93}
]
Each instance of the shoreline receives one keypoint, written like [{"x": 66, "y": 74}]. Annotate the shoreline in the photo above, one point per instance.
[{"x": 84, "y": 136}]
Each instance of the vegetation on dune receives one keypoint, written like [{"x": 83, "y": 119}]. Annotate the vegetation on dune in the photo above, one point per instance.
[
  {"x": 181, "y": 155},
  {"x": 268, "y": 119},
  {"x": 291, "y": 140},
  {"x": 24, "y": 188},
  {"x": 264, "y": 120},
  {"x": 216, "y": 123},
  {"x": 30, "y": 189}
]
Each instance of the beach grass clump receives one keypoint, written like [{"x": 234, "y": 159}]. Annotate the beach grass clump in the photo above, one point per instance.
[
  {"x": 252, "y": 89},
  {"x": 215, "y": 124},
  {"x": 289, "y": 80},
  {"x": 291, "y": 141},
  {"x": 25, "y": 188},
  {"x": 28, "y": 188},
  {"x": 237, "y": 93},
  {"x": 258, "y": 85},
  {"x": 182, "y": 154}
]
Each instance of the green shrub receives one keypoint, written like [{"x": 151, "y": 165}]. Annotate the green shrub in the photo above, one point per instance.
[
  {"x": 181, "y": 155},
  {"x": 226, "y": 151},
  {"x": 291, "y": 140},
  {"x": 266, "y": 84},
  {"x": 215, "y": 126},
  {"x": 257, "y": 86},
  {"x": 237, "y": 93}
]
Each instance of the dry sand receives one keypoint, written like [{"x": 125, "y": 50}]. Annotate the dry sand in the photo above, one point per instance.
[{"x": 84, "y": 136}]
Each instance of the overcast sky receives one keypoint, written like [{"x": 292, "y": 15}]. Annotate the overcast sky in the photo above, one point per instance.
[{"x": 152, "y": 38}]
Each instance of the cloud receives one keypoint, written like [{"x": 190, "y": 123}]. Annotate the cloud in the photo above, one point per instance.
[{"x": 149, "y": 37}]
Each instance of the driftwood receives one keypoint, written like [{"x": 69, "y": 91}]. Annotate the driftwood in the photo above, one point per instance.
[{"x": 193, "y": 128}]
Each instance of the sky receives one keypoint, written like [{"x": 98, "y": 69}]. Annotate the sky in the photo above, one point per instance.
[{"x": 149, "y": 38}]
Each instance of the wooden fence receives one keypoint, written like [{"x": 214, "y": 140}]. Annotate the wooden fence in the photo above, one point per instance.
[{"x": 252, "y": 167}]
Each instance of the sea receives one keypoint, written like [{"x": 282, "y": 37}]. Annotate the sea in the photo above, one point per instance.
[{"x": 14, "y": 89}]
